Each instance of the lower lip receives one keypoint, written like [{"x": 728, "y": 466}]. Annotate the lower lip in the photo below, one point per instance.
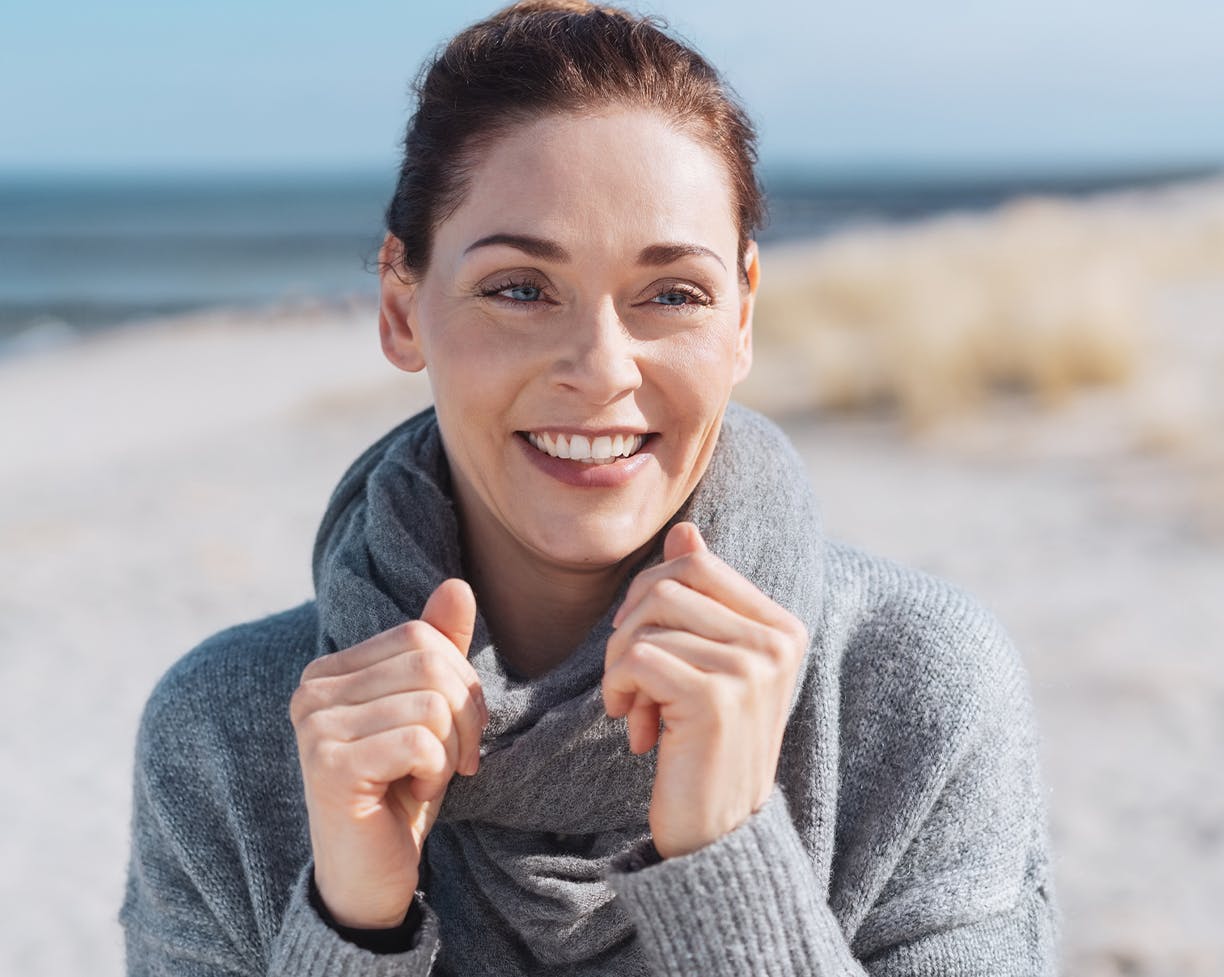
[{"x": 590, "y": 474}]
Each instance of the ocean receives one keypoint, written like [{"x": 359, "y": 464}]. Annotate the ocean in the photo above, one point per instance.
[{"x": 83, "y": 253}]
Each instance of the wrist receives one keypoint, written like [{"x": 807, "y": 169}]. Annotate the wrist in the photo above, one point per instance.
[
  {"x": 362, "y": 913},
  {"x": 397, "y": 937},
  {"x": 676, "y": 844}
]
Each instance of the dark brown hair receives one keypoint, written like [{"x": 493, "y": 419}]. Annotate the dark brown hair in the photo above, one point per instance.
[{"x": 542, "y": 56}]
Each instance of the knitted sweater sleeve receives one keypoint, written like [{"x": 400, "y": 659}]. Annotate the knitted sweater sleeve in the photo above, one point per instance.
[
  {"x": 198, "y": 901},
  {"x": 963, "y": 883}
]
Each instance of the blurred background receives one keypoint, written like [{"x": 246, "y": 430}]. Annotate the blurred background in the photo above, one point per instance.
[{"x": 991, "y": 317}]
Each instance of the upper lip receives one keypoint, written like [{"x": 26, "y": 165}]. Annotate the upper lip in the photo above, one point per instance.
[{"x": 588, "y": 432}]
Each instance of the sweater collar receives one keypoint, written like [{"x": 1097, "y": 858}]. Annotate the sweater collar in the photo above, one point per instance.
[{"x": 553, "y": 764}]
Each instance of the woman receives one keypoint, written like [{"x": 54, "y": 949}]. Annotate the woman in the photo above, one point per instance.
[{"x": 583, "y": 688}]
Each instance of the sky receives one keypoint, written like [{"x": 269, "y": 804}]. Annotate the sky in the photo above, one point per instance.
[{"x": 316, "y": 86}]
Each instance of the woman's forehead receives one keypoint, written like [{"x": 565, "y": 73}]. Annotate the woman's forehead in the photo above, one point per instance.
[{"x": 586, "y": 178}]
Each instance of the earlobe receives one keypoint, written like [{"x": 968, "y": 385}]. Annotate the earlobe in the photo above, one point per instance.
[{"x": 397, "y": 327}]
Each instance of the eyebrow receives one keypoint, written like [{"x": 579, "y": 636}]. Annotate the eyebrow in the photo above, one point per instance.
[
  {"x": 537, "y": 247},
  {"x": 665, "y": 254},
  {"x": 654, "y": 255}
]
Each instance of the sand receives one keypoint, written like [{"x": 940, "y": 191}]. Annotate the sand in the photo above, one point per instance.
[{"x": 164, "y": 481}]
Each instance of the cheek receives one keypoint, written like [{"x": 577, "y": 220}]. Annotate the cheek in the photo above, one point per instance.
[
  {"x": 474, "y": 370},
  {"x": 699, "y": 365}
]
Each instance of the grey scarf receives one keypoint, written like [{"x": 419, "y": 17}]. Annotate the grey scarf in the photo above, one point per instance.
[{"x": 517, "y": 859}]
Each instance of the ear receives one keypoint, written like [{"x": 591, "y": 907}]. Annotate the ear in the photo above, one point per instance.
[
  {"x": 397, "y": 326},
  {"x": 743, "y": 343}
]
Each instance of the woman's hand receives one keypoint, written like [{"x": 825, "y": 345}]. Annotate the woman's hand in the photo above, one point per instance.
[
  {"x": 699, "y": 645},
  {"x": 381, "y": 728}
]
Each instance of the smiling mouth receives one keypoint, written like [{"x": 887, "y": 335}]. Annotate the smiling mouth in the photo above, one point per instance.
[{"x": 604, "y": 449}]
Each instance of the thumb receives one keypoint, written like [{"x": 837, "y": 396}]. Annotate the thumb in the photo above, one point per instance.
[
  {"x": 683, "y": 538},
  {"x": 451, "y": 609}
]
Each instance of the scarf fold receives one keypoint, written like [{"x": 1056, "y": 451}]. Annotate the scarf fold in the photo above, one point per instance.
[{"x": 519, "y": 853}]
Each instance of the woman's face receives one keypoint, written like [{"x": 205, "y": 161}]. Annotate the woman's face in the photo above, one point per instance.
[{"x": 583, "y": 300}]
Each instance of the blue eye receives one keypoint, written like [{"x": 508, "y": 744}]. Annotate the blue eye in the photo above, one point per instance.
[
  {"x": 682, "y": 297},
  {"x": 523, "y": 293}
]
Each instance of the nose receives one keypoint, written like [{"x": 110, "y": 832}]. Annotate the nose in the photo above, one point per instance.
[{"x": 598, "y": 357}]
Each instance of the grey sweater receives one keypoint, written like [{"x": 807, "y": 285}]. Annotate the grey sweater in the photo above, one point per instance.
[{"x": 929, "y": 857}]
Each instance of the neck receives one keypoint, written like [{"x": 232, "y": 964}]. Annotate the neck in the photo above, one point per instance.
[{"x": 537, "y": 612}]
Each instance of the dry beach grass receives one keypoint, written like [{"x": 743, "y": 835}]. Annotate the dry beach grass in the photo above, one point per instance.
[
  {"x": 1026, "y": 402},
  {"x": 1043, "y": 295},
  {"x": 1034, "y": 303}
]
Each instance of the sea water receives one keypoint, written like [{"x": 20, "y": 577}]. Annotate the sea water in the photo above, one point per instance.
[{"x": 84, "y": 253}]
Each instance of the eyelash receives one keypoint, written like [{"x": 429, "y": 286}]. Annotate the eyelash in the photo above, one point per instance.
[
  {"x": 698, "y": 297},
  {"x": 491, "y": 291}
]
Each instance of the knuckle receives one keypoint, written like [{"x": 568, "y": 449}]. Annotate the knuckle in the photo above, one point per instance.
[
  {"x": 305, "y": 701},
  {"x": 743, "y": 667},
  {"x": 799, "y": 634},
  {"x": 778, "y": 646},
  {"x": 435, "y": 710},
  {"x": 792, "y": 626},
  {"x": 665, "y": 588},
  {"x": 317, "y": 733},
  {"x": 638, "y": 652},
  {"x": 426, "y": 749},
  {"x": 704, "y": 563},
  {"x": 412, "y": 741},
  {"x": 426, "y": 668},
  {"x": 412, "y": 738},
  {"x": 413, "y": 633},
  {"x": 326, "y": 757},
  {"x": 310, "y": 671},
  {"x": 794, "y": 647},
  {"x": 759, "y": 671},
  {"x": 470, "y": 677},
  {"x": 616, "y": 645},
  {"x": 309, "y": 727}
]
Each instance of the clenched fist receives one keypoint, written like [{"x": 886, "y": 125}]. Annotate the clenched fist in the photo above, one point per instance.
[
  {"x": 381, "y": 728},
  {"x": 700, "y": 647}
]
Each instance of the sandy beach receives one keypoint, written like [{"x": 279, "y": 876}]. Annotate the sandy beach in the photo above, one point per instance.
[{"x": 1061, "y": 458}]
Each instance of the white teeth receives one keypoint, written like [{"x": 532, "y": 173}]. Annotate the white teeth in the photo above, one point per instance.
[{"x": 602, "y": 449}]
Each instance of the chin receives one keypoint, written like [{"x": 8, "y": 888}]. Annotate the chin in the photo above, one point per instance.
[{"x": 593, "y": 543}]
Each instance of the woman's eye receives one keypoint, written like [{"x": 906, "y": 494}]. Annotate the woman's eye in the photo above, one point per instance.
[
  {"x": 516, "y": 293},
  {"x": 680, "y": 296},
  {"x": 521, "y": 293}
]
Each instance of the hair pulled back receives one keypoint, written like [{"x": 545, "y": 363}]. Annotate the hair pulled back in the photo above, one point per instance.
[{"x": 544, "y": 56}]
